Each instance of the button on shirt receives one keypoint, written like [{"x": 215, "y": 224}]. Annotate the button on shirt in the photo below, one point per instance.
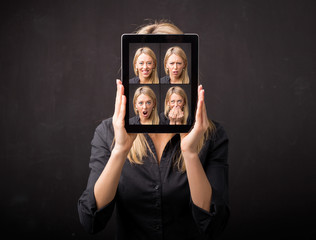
[{"x": 153, "y": 200}]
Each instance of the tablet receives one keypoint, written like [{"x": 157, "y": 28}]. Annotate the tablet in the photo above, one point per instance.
[{"x": 160, "y": 78}]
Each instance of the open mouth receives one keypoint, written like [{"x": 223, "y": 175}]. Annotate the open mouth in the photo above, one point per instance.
[
  {"x": 145, "y": 114},
  {"x": 145, "y": 72},
  {"x": 175, "y": 72}
]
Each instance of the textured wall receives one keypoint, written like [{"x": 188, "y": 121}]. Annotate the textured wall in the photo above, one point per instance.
[{"x": 59, "y": 62}]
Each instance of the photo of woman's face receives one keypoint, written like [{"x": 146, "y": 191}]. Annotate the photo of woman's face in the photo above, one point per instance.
[
  {"x": 176, "y": 100},
  {"x": 144, "y": 65},
  {"x": 175, "y": 66},
  {"x": 144, "y": 105}
]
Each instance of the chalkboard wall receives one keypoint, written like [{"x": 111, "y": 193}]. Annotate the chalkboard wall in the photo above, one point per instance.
[{"x": 58, "y": 65}]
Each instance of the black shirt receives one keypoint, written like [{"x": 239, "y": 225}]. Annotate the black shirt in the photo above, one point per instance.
[
  {"x": 134, "y": 120},
  {"x": 165, "y": 80},
  {"x": 134, "y": 80},
  {"x": 153, "y": 200}
]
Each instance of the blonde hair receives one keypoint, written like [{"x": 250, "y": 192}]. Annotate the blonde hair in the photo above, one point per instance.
[
  {"x": 159, "y": 27},
  {"x": 179, "y": 52},
  {"x": 179, "y": 91},
  {"x": 140, "y": 146},
  {"x": 149, "y": 92},
  {"x": 146, "y": 50}
]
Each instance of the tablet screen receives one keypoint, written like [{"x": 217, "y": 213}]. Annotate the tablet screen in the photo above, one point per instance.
[{"x": 160, "y": 78}]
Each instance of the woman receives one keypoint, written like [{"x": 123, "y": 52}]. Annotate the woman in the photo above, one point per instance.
[
  {"x": 144, "y": 103},
  {"x": 145, "y": 63},
  {"x": 175, "y": 64},
  {"x": 166, "y": 186},
  {"x": 176, "y": 107}
]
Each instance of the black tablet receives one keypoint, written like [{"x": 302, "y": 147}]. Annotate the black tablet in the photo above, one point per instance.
[{"x": 160, "y": 78}]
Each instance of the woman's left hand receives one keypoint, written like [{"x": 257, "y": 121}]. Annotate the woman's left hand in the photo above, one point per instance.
[{"x": 190, "y": 141}]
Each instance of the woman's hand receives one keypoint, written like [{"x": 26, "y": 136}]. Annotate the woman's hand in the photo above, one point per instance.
[
  {"x": 190, "y": 141},
  {"x": 176, "y": 115},
  {"x": 123, "y": 140}
]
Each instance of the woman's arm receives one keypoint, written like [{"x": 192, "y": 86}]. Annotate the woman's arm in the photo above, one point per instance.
[
  {"x": 106, "y": 186},
  {"x": 200, "y": 187},
  {"x": 96, "y": 205},
  {"x": 208, "y": 182}
]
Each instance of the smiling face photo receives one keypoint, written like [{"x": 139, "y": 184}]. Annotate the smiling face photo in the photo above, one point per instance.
[{"x": 144, "y": 66}]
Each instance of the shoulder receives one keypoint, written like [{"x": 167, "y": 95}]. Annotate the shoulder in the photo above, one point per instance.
[
  {"x": 165, "y": 80},
  {"x": 216, "y": 145},
  {"x": 105, "y": 130},
  {"x": 218, "y": 136},
  {"x": 105, "y": 125},
  {"x": 134, "y": 120},
  {"x": 219, "y": 131},
  {"x": 163, "y": 119},
  {"x": 134, "y": 80},
  {"x": 215, "y": 148}
]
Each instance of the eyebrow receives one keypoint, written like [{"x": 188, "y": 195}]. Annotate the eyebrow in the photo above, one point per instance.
[{"x": 145, "y": 61}]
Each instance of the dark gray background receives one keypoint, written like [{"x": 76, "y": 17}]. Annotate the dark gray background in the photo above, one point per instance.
[{"x": 58, "y": 65}]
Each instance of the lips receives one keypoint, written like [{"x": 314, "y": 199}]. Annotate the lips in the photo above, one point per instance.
[
  {"x": 145, "y": 72},
  {"x": 145, "y": 114},
  {"x": 175, "y": 72}
]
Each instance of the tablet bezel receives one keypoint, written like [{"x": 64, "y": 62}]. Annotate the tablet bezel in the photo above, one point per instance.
[{"x": 193, "y": 39}]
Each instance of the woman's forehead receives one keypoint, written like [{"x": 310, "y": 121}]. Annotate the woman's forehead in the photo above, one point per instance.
[
  {"x": 143, "y": 97},
  {"x": 175, "y": 96},
  {"x": 175, "y": 58},
  {"x": 144, "y": 57}
]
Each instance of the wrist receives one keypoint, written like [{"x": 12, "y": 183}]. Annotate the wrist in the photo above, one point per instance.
[
  {"x": 121, "y": 152},
  {"x": 189, "y": 153},
  {"x": 172, "y": 122}
]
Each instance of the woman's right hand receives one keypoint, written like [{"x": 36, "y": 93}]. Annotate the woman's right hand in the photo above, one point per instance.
[{"x": 123, "y": 140}]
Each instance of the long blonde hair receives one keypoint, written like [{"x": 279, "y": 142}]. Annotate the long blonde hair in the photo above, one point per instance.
[
  {"x": 146, "y": 50},
  {"x": 140, "y": 147},
  {"x": 179, "y": 91},
  {"x": 179, "y": 52},
  {"x": 150, "y": 93}
]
